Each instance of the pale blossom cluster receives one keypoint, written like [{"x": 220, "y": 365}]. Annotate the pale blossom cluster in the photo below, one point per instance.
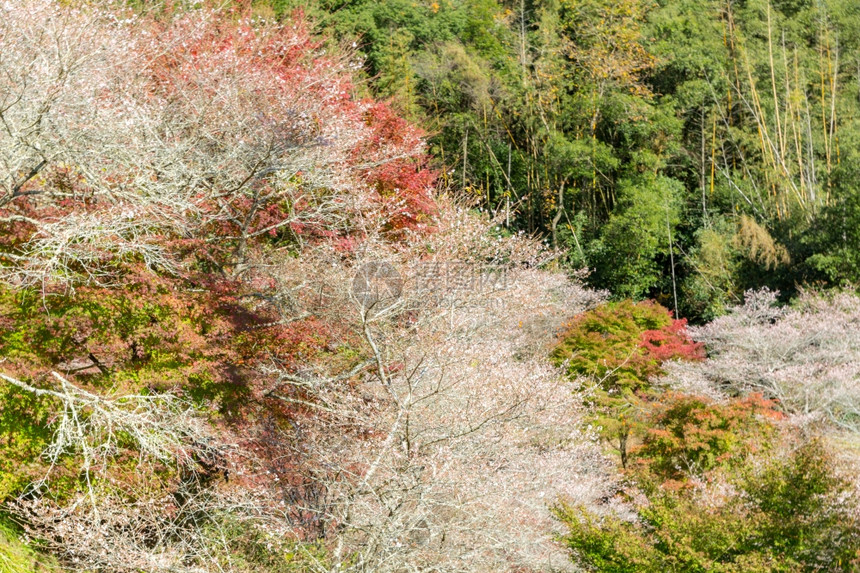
[
  {"x": 806, "y": 355},
  {"x": 117, "y": 137},
  {"x": 455, "y": 434},
  {"x": 434, "y": 435}
]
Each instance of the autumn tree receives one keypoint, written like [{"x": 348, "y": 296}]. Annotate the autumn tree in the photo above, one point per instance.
[{"x": 194, "y": 372}]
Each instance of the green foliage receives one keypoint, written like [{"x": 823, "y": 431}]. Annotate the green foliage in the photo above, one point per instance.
[
  {"x": 24, "y": 434},
  {"x": 620, "y": 347},
  {"x": 18, "y": 557},
  {"x": 252, "y": 549},
  {"x": 616, "y": 344},
  {"x": 148, "y": 337},
  {"x": 606, "y": 544},
  {"x": 712, "y": 285},
  {"x": 145, "y": 336},
  {"x": 635, "y": 235},
  {"x": 690, "y": 435},
  {"x": 641, "y": 136},
  {"x": 833, "y": 243},
  {"x": 792, "y": 518},
  {"x": 801, "y": 500}
]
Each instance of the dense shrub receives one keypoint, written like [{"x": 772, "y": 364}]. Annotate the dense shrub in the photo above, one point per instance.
[
  {"x": 623, "y": 344},
  {"x": 689, "y": 435},
  {"x": 618, "y": 348},
  {"x": 714, "y": 483},
  {"x": 793, "y": 514}
]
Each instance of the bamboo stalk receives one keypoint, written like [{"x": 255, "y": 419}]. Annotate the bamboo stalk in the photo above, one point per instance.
[
  {"x": 823, "y": 108},
  {"x": 713, "y": 153},
  {"x": 777, "y": 120}
]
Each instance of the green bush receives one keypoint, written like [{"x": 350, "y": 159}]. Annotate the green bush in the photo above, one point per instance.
[
  {"x": 792, "y": 515},
  {"x": 691, "y": 435},
  {"x": 24, "y": 434},
  {"x": 16, "y": 556},
  {"x": 622, "y": 344}
]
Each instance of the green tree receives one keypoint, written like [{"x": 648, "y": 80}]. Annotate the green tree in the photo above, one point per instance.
[{"x": 792, "y": 518}]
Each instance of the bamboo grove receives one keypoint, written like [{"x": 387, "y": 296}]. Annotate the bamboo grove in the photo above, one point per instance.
[{"x": 684, "y": 150}]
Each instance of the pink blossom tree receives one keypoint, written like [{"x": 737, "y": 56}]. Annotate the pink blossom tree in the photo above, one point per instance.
[
  {"x": 415, "y": 425},
  {"x": 806, "y": 356}
]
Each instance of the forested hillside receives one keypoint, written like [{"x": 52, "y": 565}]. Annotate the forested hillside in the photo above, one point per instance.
[
  {"x": 395, "y": 286},
  {"x": 682, "y": 150}
]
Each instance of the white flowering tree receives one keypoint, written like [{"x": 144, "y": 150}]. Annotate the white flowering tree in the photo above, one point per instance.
[
  {"x": 429, "y": 433},
  {"x": 806, "y": 356}
]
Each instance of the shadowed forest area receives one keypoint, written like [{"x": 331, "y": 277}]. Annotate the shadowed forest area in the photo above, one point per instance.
[{"x": 429, "y": 286}]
